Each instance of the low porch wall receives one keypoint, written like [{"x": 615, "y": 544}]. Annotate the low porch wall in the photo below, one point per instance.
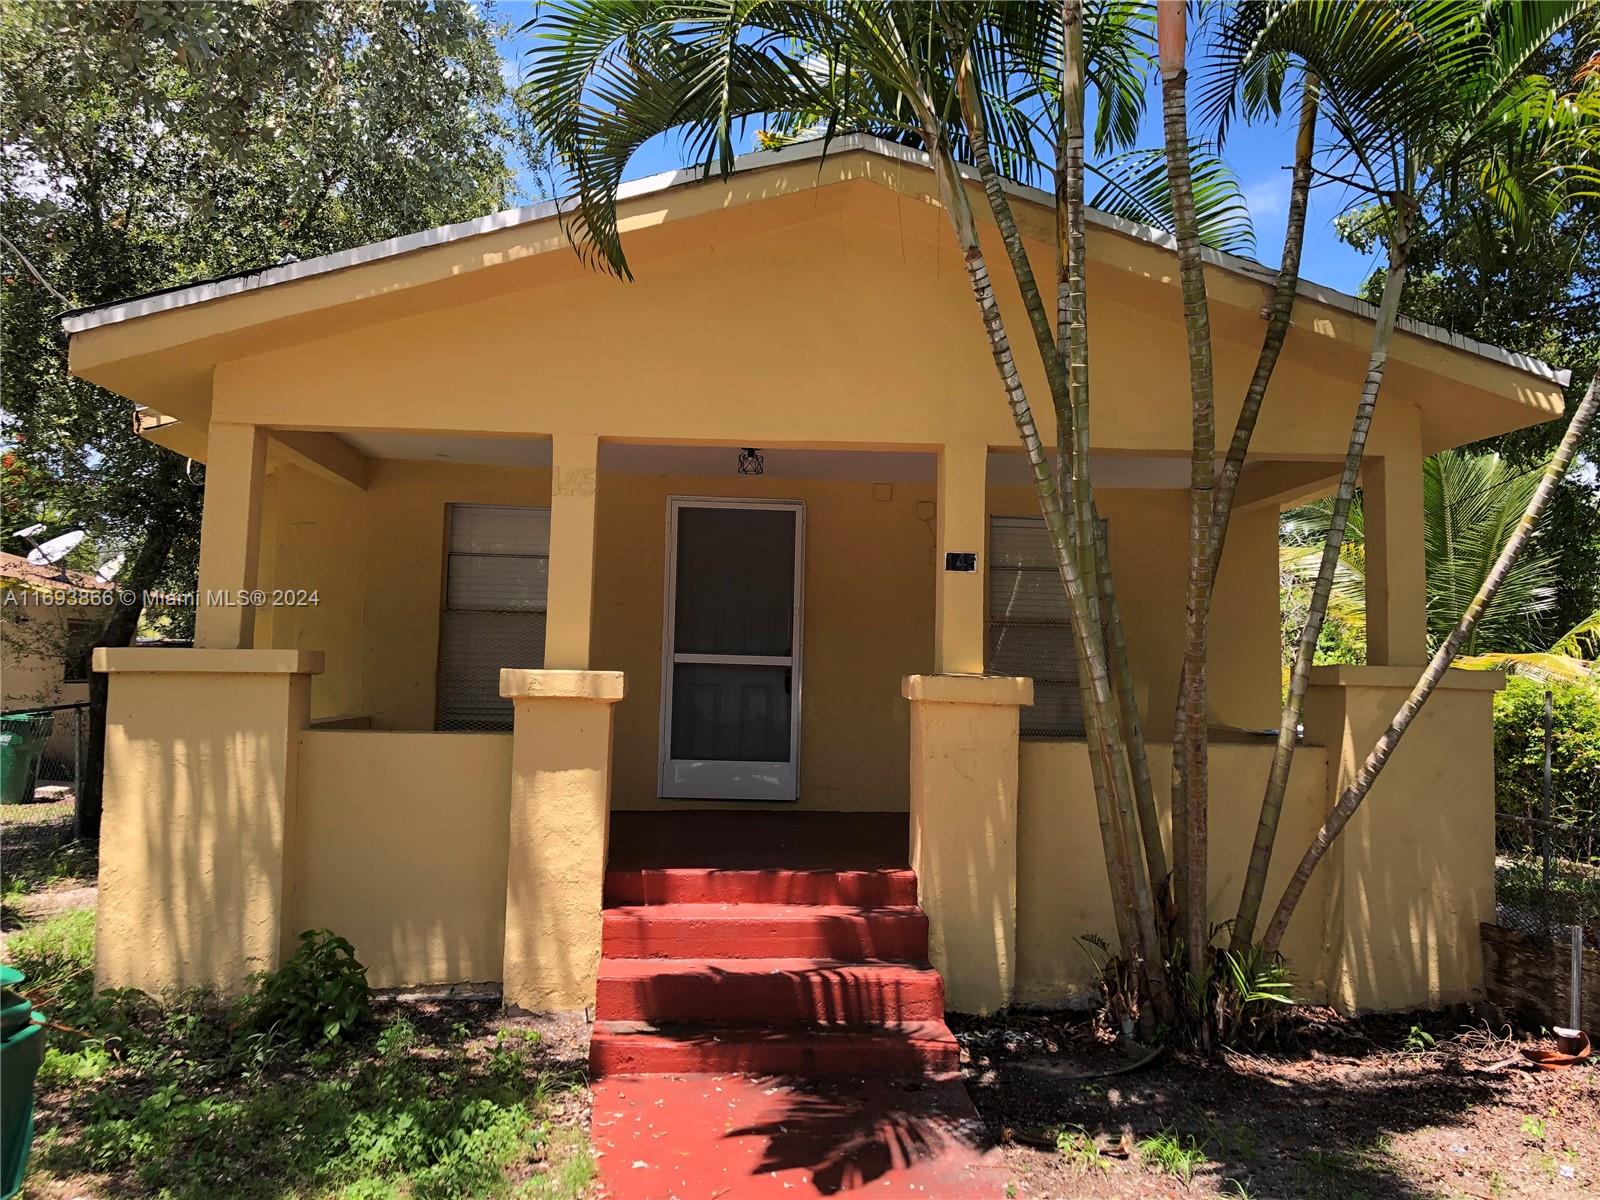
[
  {"x": 230, "y": 826},
  {"x": 1062, "y": 892},
  {"x": 399, "y": 845},
  {"x": 1390, "y": 919}
]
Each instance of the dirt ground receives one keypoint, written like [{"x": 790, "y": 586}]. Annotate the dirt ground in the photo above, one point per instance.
[{"x": 1406, "y": 1106}]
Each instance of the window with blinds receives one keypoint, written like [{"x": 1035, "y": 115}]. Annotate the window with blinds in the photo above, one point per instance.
[
  {"x": 496, "y": 581},
  {"x": 1030, "y": 626}
]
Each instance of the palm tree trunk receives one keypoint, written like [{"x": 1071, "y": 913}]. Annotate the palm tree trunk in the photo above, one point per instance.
[
  {"x": 1228, "y": 482},
  {"x": 1351, "y": 798},
  {"x": 1299, "y": 679},
  {"x": 1010, "y": 235},
  {"x": 1135, "y": 908},
  {"x": 1132, "y": 729},
  {"x": 1130, "y": 890},
  {"x": 1279, "y": 314},
  {"x": 1072, "y": 424},
  {"x": 1189, "y": 774}
]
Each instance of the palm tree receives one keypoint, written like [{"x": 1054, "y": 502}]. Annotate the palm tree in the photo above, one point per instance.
[
  {"x": 1568, "y": 659},
  {"x": 1428, "y": 104},
  {"x": 1003, "y": 87},
  {"x": 605, "y": 78}
]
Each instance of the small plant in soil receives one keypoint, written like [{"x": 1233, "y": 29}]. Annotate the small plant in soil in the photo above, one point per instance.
[
  {"x": 1171, "y": 1154},
  {"x": 1419, "y": 1040},
  {"x": 1080, "y": 1151}
]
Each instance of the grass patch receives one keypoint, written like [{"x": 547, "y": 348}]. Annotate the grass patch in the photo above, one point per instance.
[
  {"x": 1172, "y": 1155},
  {"x": 40, "y": 854},
  {"x": 194, "y": 1099},
  {"x": 57, "y": 956}
]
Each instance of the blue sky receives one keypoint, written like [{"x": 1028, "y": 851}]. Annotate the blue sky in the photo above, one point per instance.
[{"x": 1258, "y": 155}]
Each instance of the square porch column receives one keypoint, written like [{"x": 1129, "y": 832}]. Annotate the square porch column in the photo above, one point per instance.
[
  {"x": 1411, "y": 877},
  {"x": 202, "y": 751},
  {"x": 569, "y": 614},
  {"x": 961, "y": 507},
  {"x": 1397, "y": 586},
  {"x": 964, "y": 829},
  {"x": 560, "y": 810},
  {"x": 230, "y": 534}
]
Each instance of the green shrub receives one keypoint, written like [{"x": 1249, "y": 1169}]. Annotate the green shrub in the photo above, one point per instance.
[
  {"x": 1519, "y": 750},
  {"x": 319, "y": 996}
]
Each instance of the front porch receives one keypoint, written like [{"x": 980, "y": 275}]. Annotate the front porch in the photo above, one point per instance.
[{"x": 428, "y": 756}]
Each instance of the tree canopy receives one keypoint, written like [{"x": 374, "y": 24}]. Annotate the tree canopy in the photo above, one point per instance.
[{"x": 149, "y": 145}]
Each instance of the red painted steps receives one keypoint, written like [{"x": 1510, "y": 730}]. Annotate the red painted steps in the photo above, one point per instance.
[
  {"x": 767, "y": 971},
  {"x": 771, "y": 991},
  {"x": 701, "y": 885},
  {"x": 633, "y": 1048},
  {"x": 824, "y": 931}
]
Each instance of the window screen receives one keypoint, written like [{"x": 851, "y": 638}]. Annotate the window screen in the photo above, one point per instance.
[
  {"x": 496, "y": 580},
  {"x": 1030, "y": 626}
]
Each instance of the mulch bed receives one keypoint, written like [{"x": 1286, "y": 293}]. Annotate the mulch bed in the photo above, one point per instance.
[{"x": 1391, "y": 1106}]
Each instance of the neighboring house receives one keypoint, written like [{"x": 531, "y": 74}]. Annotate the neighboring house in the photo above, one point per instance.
[
  {"x": 49, "y": 619},
  {"x": 463, "y": 451},
  {"x": 48, "y": 623}
]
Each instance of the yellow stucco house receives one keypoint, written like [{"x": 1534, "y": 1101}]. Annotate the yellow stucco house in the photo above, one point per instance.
[{"x": 462, "y": 451}]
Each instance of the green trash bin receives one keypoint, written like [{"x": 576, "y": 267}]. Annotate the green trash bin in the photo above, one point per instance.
[
  {"x": 21, "y": 1053},
  {"x": 22, "y": 739}
]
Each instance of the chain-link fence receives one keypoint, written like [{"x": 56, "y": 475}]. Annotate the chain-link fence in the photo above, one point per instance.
[
  {"x": 1547, "y": 876},
  {"x": 42, "y": 752}
]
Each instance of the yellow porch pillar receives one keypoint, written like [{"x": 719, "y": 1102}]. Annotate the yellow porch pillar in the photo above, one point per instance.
[
  {"x": 560, "y": 809},
  {"x": 964, "y": 830},
  {"x": 1411, "y": 877},
  {"x": 958, "y": 594},
  {"x": 201, "y": 764},
  {"x": 230, "y": 534},
  {"x": 1397, "y": 591},
  {"x": 574, "y": 474}
]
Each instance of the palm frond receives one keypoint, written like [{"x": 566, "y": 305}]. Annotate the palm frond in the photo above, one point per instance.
[
  {"x": 1582, "y": 640},
  {"x": 1545, "y": 666},
  {"x": 1471, "y": 503},
  {"x": 1135, "y": 185}
]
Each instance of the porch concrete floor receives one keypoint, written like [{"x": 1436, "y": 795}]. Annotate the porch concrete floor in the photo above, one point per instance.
[
  {"x": 695, "y": 1137},
  {"x": 717, "y": 839}
]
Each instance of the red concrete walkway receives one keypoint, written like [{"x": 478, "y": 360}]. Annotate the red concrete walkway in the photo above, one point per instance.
[{"x": 732, "y": 1137}]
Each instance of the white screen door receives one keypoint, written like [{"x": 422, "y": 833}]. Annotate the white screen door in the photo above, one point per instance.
[{"x": 730, "y": 705}]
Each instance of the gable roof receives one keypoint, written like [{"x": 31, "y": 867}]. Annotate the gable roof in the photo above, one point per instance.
[{"x": 218, "y": 289}]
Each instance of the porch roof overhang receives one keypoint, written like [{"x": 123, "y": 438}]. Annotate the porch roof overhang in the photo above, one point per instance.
[{"x": 160, "y": 350}]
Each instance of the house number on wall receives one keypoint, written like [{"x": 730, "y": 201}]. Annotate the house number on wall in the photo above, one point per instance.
[{"x": 575, "y": 481}]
